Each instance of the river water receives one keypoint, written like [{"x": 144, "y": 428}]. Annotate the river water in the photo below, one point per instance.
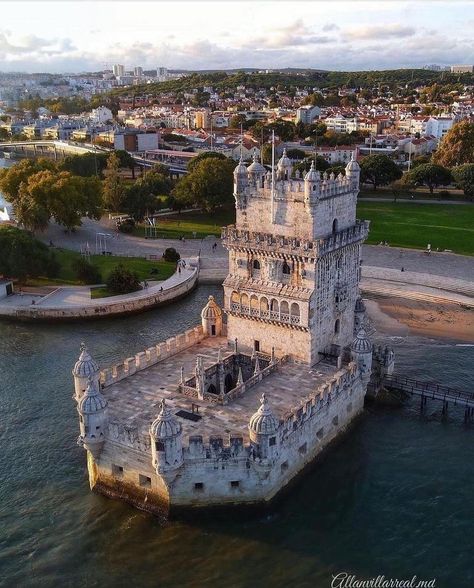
[{"x": 393, "y": 498}]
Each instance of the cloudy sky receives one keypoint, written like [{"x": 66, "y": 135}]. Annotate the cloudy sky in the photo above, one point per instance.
[{"x": 74, "y": 36}]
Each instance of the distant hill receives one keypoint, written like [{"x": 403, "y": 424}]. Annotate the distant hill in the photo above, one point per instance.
[{"x": 292, "y": 78}]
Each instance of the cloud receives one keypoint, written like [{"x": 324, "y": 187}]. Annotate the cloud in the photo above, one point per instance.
[
  {"x": 31, "y": 45},
  {"x": 330, "y": 26},
  {"x": 296, "y": 34},
  {"x": 379, "y": 32}
]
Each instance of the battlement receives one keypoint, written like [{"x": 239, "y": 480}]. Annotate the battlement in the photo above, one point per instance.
[
  {"x": 151, "y": 356},
  {"x": 267, "y": 243},
  {"x": 327, "y": 186}
]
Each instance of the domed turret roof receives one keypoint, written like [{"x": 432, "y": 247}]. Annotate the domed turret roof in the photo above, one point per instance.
[
  {"x": 263, "y": 422},
  {"x": 361, "y": 343},
  {"x": 352, "y": 166},
  {"x": 165, "y": 425},
  {"x": 85, "y": 366},
  {"x": 211, "y": 310},
  {"x": 284, "y": 160},
  {"x": 92, "y": 401},
  {"x": 241, "y": 169},
  {"x": 256, "y": 167},
  {"x": 312, "y": 175}
]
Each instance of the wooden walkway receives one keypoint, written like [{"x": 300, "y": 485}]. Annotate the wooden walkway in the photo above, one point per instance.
[{"x": 433, "y": 391}]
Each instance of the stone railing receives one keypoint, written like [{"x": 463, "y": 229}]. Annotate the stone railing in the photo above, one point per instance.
[
  {"x": 151, "y": 356},
  {"x": 268, "y": 243},
  {"x": 272, "y": 315}
]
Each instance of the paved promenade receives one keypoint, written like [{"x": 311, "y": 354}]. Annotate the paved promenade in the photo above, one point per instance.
[{"x": 74, "y": 302}]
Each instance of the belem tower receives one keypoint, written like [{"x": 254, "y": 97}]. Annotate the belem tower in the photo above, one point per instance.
[{"x": 231, "y": 410}]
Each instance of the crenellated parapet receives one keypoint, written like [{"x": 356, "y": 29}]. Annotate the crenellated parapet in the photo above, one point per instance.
[{"x": 151, "y": 356}]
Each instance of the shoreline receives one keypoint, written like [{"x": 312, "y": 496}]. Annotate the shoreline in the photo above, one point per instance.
[{"x": 403, "y": 316}]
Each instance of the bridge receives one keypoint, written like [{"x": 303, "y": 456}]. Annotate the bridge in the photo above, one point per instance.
[
  {"x": 433, "y": 391},
  {"x": 41, "y": 147}
]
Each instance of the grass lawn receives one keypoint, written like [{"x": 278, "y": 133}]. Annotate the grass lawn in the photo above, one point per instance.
[
  {"x": 416, "y": 225},
  {"x": 187, "y": 223},
  {"x": 143, "y": 267}
]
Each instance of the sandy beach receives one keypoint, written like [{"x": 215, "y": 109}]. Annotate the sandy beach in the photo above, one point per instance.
[{"x": 399, "y": 316}]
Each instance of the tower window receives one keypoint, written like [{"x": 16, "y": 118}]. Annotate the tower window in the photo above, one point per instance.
[
  {"x": 159, "y": 446},
  {"x": 256, "y": 264},
  {"x": 117, "y": 470},
  {"x": 144, "y": 481},
  {"x": 337, "y": 326},
  {"x": 286, "y": 269},
  {"x": 198, "y": 486},
  {"x": 334, "y": 226},
  {"x": 272, "y": 441},
  {"x": 234, "y": 484}
]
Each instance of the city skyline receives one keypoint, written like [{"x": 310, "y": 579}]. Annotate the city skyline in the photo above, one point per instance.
[{"x": 72, "y": 37}]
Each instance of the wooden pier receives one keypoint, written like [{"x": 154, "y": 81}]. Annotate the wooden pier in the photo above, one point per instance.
[{"x": 433, "y": 391}]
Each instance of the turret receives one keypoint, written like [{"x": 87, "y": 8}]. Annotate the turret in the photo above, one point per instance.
[
  {"x": 240, "y": 177},
  {"x": 92, "y": 409},
  {"x": 284, "y": 167},
  {"x": 211, "y": 318},
  {"x": 361, "y": 351},
  {"x": 256, "y": 172},
  {"x": 311, "y": 184},
  {"x": 353, "y": 172},
  {"x": 84, "y": 369},
  {"x": 263, "y": 430},
  {"x": 166, "y": 441}
]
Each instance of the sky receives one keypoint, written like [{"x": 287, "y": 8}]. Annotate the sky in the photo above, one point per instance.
[{"x": 75, "y": 36}]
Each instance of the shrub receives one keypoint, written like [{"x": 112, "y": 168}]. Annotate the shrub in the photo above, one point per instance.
[
  {"x": 171, "y": 254},
  {"x": 52, "y": 266},
  {"x": 444, "y": 195},
  {"x": 122, "y": 281},
  {"x": 126, "y": 226},
  {"x": 86, "y": 272}
]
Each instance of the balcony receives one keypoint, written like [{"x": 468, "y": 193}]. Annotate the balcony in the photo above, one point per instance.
[{"x": 270, "y": 315}]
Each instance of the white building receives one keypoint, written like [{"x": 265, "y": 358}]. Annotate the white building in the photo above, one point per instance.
[
  {"x": 306, "y": 114},
  {"x": 118, "y": 70},
  {"x": 101, "y": 115}
]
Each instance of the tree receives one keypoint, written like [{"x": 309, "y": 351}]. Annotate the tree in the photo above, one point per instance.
[
  {"x": 464, "y": 177},
  {"x": 457, "y": 146},
  {"x": 379, "y": 170},
  {"x": 12, "y": 177},
  {"x": 122, "y": 281},
  {"x": 208, "y": 185},
  {"x": 86, "y": 272},
  {"x": 21, "y": 255},
  {"x": 205, "y": 155},
  {"x": 113, "y": 188},
  {"x": 319, "y": 163},
  {"x": 431, "y": 175},
  {"x": 126, "y": 160},
  {"x": 88, "y": 164}
]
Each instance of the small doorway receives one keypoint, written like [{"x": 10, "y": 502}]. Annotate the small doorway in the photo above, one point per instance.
[
  {"x": 213, "y": 330},
  {"x": 228, "y": 383},
  {"x": 9, "y": 289},
  {"x": 256, "y": 345}
]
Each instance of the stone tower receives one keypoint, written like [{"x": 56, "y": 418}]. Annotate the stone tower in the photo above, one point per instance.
[{"x": 294, "y": 261}]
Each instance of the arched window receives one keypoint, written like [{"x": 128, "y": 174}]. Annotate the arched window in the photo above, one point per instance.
[
  {"x": 256, "y": 268},
  {"x": 337, "y": 326},
  {"x": 263, "y": 306},
  {"x": 256, "y": 264},
  {"x": 244, "y": 302},
  {"x": 212, "y": 389},
  {"x": 228, "y": 383},
  {"x": 334, "y": 226},
  {"x": 274, "y": 305},
  {"x": 286, "y": 270},
  {"x": 295, "y": 309},
  {"x": 284, "y": 308},
  {"x": 254, "y": 307}
]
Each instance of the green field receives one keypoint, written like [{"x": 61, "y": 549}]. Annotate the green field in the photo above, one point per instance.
[
  {"x": 444, "y": 226},
  {"x": 143, "y": 267},
  {"x": 401, "y": 224},
  {"x": 188, "y": 223}
]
